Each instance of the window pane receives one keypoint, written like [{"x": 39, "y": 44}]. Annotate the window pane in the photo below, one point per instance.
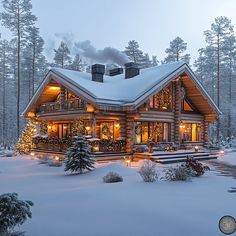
[
  {"x": 194, "y": 132},
  {"x": 187, "y": 107},
  {"x": 166, "y": 132},
  {"x": 144, "y": 132},
  {"x": 190, "y": 132},
  {"x": 107, "y": 130}
]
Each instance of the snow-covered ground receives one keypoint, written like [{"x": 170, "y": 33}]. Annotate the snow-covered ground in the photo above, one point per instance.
[
  {"x": 83, "y": 205},
  {"x": 229, "y": 157}
]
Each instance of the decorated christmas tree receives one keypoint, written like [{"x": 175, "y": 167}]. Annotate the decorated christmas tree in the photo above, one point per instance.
[
  {"x": 78, "y": 156},
  {"x": 25, "y": 142}
]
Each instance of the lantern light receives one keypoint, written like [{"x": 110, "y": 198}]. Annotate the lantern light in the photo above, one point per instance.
[
  {"x": 87, "y": 128},
  {"x": 182, "y": 126},
  {"x": 222, "y": 153},
  {"x": 196, "y": 148},
  {"x": 96, "y": 148},
  {"x": 127, "y": 161}
]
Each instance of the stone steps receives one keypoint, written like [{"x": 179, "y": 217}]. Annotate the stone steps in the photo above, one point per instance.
[{"x": 167, "y": 158}]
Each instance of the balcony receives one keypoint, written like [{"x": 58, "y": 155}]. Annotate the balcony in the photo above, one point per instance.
[{"x": 67, "y": 105}]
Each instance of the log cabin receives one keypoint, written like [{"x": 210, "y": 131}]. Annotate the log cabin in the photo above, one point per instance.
[{"x": 123, "y": 110}]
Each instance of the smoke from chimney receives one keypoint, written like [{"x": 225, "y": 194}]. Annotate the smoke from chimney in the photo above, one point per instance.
[{"x": 106, "y": 55}]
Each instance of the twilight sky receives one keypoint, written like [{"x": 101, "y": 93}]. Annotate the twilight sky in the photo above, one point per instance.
[{"x": 153, "y": 23}]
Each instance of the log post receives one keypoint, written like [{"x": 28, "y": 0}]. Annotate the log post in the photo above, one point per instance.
[
  {"x": 205, "y": 132},
  {"x": 177, "y": 111},
  {"x": 94, "y": 124},
  {"x": 62, "y": 97},
  {"x": 129, "y": 134},
  {"x": 122, "y": 127}
]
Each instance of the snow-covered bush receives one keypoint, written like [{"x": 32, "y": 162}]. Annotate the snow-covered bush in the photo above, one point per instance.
[
  {"x": 43, "y": 159},
  {"x": 140, "y": 148},
  {"x": 178, "y": 173},
  {"x": 148, "y": 171},
  {"x": 13, "y": 212},
  {"x": 78, "y": 156},
  {"x": 6, "y": 153},
  {"x": 54, "y": 163},
  {"x": 112, "y": 177},
  {"x": 9, "y": 153},
  {"x": 49, "y": 161},
  {"x": 195, "y": 168}
]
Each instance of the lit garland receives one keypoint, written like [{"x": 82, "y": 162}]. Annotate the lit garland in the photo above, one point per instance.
[
  {"x": 43, "y": 127},
  {"x": 107, "y": 145},
  {"x": 25, "y": 142},
  {"x": 53, "y": 140}
]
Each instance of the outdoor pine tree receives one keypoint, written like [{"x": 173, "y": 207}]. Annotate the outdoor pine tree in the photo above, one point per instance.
[
  {"x": 79, "y": 157},
  {"x": 215, "y": 68},
  {"x": 77, "y": 63},
  {"x": 17, "y": 17},
  {"x": 25, "y": 142},
  {"x": 62, "y": 56},
  {"x": 176, "y": 50},
  {"x": 133, "y": 52}
]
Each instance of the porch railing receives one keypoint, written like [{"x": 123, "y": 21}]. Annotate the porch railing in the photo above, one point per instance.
[
  {"x": 67, "y": 105},
  {"x": 62, "y": 144}
]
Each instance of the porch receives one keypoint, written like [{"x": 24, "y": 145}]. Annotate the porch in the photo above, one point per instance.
[{"x": 60, "y": 145}]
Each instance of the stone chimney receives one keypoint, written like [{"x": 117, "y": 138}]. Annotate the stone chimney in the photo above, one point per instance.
[
  {"x": 131, "y": 70},
  {"x": 98, "y": 71},
  {"x": 116, "y": 71}
]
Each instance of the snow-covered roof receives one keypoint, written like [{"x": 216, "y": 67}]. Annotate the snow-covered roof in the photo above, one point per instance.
[
  {"x": 117, "y": 88},
  {"x": 118, "y": 91}
]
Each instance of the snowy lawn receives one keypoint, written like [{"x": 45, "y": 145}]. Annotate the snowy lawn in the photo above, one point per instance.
[
  {"x": 229, "y": 157},
  {"x": 83, "y": 205}
]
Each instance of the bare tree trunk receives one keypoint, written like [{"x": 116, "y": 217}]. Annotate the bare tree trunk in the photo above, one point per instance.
[
  {"x": 18, "y": 77},
  {"x": 33, "y": 70},
  {"x": 218, "y": 86},
  {"x": 4, "y": 93},
  {"x": 230, "y": 100}
]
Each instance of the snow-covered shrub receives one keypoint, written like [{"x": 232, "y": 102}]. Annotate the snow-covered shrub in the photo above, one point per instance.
[
  {"x": 78, "y": 156},
  {"x": 140, "y": 148},
  {"x": 195, "y": 168},
  {"x": 178, "y": 173},
  {"x": 112, "y": 177},
  {"x": 49, "y": 161},
  {"x": 6, "y": 153},
  {"x": 9, "y": 153},
  {"x": 148, "y": 171},
  {"x": 13, "y": 212},
  {"x": 54, "y": 163},
  {"x": 43, "y": 159}
]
